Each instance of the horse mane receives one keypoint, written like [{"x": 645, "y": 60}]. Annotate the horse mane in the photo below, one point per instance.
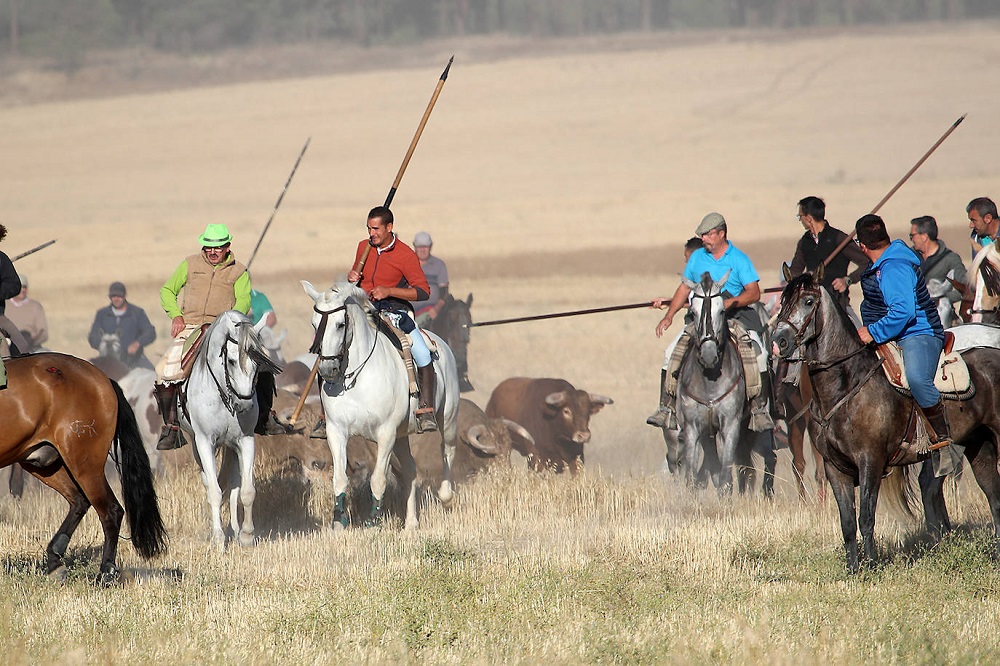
[{"x": 807, "y": 281}]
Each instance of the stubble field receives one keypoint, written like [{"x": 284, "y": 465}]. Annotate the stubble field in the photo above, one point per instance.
[{"x": 549, "y": 182}]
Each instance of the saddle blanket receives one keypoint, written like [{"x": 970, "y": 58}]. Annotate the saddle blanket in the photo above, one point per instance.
[{"x": 952, "y": 373}]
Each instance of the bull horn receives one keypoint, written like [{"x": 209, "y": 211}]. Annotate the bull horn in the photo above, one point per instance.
[
  {"x": 474, "y": 435},
  {"x": 601, "y": 399},
  {"x": 519, "y": 430}
]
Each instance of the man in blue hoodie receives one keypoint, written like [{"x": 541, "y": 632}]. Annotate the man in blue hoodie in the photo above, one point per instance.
[{"x": 897, "y": 307}]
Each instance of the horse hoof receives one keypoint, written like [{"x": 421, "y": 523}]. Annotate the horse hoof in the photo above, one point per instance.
[
  {"x": 108, "y": 578},
  {"x": 59, "y": 574},
  {"x": 247, "y": 539},
  {"x": 446, "y": 494}
]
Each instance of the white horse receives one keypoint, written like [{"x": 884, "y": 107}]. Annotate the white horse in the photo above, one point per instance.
[
  {"x": 222, "y": 412},
  {"x": 111, "y": 346},
  {"x": 940, "y": 290},
  {"x": 366, "y": 392}
]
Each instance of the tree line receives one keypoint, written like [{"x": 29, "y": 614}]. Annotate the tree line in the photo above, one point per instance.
[{"x": 53, "y": 28}]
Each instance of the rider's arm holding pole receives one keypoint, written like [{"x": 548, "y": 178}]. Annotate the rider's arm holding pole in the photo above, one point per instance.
[{"x": 679, "y": 300}]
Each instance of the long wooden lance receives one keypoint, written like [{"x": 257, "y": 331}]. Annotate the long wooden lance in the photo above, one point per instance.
[
  {"x": 360, "y": 264},
  {"x": 556, "y": 315},
  {"x": 878, "y": 206},
  {"x": 278, "y": 203},
  {"x": 34, "y": 250}
]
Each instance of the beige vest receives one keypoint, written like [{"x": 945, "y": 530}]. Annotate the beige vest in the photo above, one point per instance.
[{"x": 209, "y": 290}]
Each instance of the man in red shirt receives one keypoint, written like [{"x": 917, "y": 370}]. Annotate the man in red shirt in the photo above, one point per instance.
[{"x": 392, "y": 278}]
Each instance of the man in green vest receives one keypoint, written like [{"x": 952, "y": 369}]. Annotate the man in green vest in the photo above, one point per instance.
[{"x": 213, "y": 282}]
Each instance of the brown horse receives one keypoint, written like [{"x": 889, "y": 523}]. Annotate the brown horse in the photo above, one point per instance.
[
  {"x": 859, "y": 421},
  {"x": 61, "y": 416},
  {"x": 453, "y": 324},
  {"x": 794, "y": 402}
]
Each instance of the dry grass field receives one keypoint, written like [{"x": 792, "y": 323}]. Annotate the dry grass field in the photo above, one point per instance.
[{"x": 551, "y": 180}]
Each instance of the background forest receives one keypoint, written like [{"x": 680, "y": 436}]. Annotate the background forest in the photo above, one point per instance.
[{"x": 66, "y": 31}]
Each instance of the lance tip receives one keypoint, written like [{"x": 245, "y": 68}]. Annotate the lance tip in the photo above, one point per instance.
[{"x": 444, "y": 74}]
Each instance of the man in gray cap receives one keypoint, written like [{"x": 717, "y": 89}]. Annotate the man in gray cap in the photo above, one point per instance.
[
  {"x": 124, "y": 325},
  {"x": 741, "y": 294},
  {"x": 436, "y": 273}
]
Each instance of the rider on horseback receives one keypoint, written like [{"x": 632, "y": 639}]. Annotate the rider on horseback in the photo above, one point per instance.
[
  {"x": 10, "y": 286},
  {"x": 213, "y": 282},
  {"x": 392, "y": 279},
  {"x": 128, "y": 322},
  {"x": 897, "y": 307},
  {"x": 742, "y": 290}
]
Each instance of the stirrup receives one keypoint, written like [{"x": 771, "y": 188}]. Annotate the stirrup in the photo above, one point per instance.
[
  {"x": 937, "y": 446},
  {"x": 425, "y": 421},
  {"x": 663, "y": 417}
]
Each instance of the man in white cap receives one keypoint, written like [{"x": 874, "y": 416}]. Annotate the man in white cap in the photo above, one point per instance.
[
  {"x": 213, "y": 282},
  {"x": 436, "y": 273},
  {"x": 741, "y": 292},
  {"x": 29, "y": 316}
]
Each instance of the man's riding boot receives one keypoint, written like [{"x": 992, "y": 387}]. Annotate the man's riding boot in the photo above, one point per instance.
[
  {"x": 939, "y": 431},
  {"x": 3, "y": 375},
  {"x": 760, "y": 416},
  {"x": 425, "y": 412},
  {"x": 170, "y": 435},
  {"x": 664, "y": 416}
]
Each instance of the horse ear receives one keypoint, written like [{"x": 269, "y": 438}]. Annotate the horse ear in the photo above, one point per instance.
[
  {"x": 311, "y": 290},
  {"x": 818, "y": 273},
  {"x": 786, "y": 272},
  {"x": 719, "y": 284},
  {"x": 687, "y": 283}
]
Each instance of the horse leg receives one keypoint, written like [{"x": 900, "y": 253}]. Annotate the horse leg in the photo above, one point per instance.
[
  {"x": 337, "y": 440},
  {"x": 449, "y": 437},
  {"x": 16, "y": 482},
  {"x": 932, "y": 495},
  {"x": 62, "y": 483},
  {"x": 380, "y": 474},
  {"x": 870, "y": 481},
  {"x": 983, "y": 461},
  {"x": 843, "y": 491},
  {"x": 213, "y": 492},
  {"x": 247, "y": 491},
  {"x": 408, "y": 478},
  {"x": 763, "y": 443},
  {"x": 691, "y": 435},
  {"x": 796, "y": 442},
  {"x": 730, "y": 439}
]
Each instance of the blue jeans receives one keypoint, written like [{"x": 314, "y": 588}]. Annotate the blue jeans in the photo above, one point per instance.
[{"x": 920, "y": 356}]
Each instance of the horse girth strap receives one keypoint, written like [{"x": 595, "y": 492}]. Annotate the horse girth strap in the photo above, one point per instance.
[{"x": 824, "y": 420}]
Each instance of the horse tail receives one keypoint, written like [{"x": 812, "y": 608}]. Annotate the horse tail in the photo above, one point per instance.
[
  {"x": 149, "y": 537},
  {"x": 897, "y": 488}
]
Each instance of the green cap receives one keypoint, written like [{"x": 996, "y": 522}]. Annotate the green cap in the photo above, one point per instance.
[
  {"x": 216, "y": 235},
  {"x": 709, "y": 222}
]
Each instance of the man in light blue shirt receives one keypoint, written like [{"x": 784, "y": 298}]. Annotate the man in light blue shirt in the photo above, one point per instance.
[{"x": 741, "y": 291}]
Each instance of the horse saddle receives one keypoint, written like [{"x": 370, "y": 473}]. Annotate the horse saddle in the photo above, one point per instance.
[
  {"x": 952, "y": 378},
  {"x": 401, "y": 341},
  {"x": 191, "y": 347}
]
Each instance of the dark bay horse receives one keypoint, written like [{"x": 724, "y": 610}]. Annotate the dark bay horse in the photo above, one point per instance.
[
  {"x": 61, "y": 416},
  {"x": 859, "y": 420},
  {"x": 453, "y": 324}
]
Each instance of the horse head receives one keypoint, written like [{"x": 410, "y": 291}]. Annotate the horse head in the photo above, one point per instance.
[
  {"x": 333, "y": 326},
  {"x": 233, "y": 355},
  {"x": 454, "y": 324},
  {"x": 271, "y": 341},
  {"x": 940, "y": 290},
  {"x": 798, "y": 323},
  {"x": 710, "y": 330},
  {"x": 111, "y": 347}
]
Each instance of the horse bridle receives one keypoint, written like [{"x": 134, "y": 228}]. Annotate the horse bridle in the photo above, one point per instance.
[
  {"x": 706, "y": 321},
  {"x": 342, "y": 357},
  {"x": 227, "y": 397}
]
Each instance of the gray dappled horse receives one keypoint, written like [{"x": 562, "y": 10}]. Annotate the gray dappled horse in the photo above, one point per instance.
[
  {"x": 111, "y": 347},
  {"x": 859, "y": 419},
  {"x": 711, "y": 396},
  {"x": 221, "y": 412},
  {"x": 366, "y": 391}
]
